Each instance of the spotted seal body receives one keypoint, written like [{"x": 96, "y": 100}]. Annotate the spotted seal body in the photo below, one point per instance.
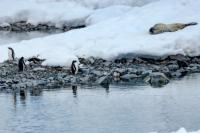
[{"x": 161, "y": 28}]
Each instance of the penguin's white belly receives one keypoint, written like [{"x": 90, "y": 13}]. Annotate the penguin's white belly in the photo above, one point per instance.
[
  {"x": 76, "y": 65},
  {"x": 10, "y": 55}
]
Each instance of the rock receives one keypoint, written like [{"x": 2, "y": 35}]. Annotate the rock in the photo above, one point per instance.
[
  {"x": 104, "y": 80},
  {"x": 38, "y": 69},
  {"x": 173, "y": 67},
  {"x": 157, "y": 79},
  {"x": 97, "y": 73},
  {"x": 129, "y": 76},
  {"x": 107, "y": 63},
  {"x": 176, "y": 74},
  {"x": 179, "y": 57},
  {"x": 146, "y": 73},
  {"x": 132, "y": 70},
  {"x": 182, "y": 63},
  {"x": 165, "y": 70},
  {"x": 116, "y": 74},
  {"x": 121, "y": 71}
]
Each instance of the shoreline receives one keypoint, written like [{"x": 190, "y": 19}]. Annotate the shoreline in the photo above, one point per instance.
[
  {"x": 156, "y": 72},
  {"x": 23, "y": 26}
]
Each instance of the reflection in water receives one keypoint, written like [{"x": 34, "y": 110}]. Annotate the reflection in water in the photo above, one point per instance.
[
  {"x": 74, "y": 91},
  {"x": 14, "y": 98},
  {"x": 13, "y": 37},
  {"x": 106, "y": 86},
  {"x": 36, "y": 92},
  {"x": 23, "y": 96},
  {"x": 127, "y": 109}
]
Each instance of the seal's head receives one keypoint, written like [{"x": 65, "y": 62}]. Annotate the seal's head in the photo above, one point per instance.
[{"x": 151, "y": 30}]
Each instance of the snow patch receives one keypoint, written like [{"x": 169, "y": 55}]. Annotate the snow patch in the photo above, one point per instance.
[{"x": 124, "y": 32}]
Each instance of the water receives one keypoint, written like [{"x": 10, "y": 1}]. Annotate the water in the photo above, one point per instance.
[
  {"x": 13, "y": 37},
  {"x": 119, "y": 109}
]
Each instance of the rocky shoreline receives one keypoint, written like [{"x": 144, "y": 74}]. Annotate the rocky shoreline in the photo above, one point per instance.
[
  {"x": 23, "y": 26},
  {"x": 95, "y": 71}
]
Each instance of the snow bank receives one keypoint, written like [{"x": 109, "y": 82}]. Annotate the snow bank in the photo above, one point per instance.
[
  {"x": 106, "y": 13},
  {"x": 183, "y": 130},
  {"x": 56, "y": 13},
  {"x": 124, "y": 32},
  {"x": 95, "y": 4}
]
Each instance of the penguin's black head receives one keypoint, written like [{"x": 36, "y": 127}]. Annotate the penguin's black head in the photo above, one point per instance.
[
  {"x": 9, "y": 48},
  {"x": 74, "y": 61},
  {"x": 151, "y": 30},
  {"x": 22, "y": 58}
]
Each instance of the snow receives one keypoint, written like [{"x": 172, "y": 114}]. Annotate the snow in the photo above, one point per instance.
[
  {"x": 111, "y": 32},
  {"x": 56, "y": 13},
  {"x": 106, "y": 13},
  {"x": 182, "y": 130}
]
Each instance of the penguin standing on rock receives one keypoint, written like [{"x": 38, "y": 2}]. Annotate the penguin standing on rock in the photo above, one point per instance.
[
  {"x": 21, "y": 64},
  {"x": 74, "y": 67},
  {"x": 11, "y": 54}
]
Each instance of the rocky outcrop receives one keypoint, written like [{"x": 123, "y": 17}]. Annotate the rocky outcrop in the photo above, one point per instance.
[
  {"x": 96, "y": 71},
  {"x": 23, "y": 26}
]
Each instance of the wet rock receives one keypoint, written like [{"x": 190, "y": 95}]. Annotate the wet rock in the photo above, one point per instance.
[
  {"x": 121, "y": 71},
  {"x": 182, "y": 63},
  {"x": 97, "y": 73},
  {"x": 138, "y": 60},
  {"x": 132, "y": 70},
  {"x": 146, "y": 73},
  {"x": 165, "y": 70},
  {"x": 178, "y": 57},
  {"x": 104, "y": 80},
  {"x": 157, "y": 79},
  {"x": 38, "y": 69},
  {"x": 173, "y": 67},
  {"x": 176, "y": 74},
  {"x": 129, "y": 76},
  {"x": 116, "y": 74}
]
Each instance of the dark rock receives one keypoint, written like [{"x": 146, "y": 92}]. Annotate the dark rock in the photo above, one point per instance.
[
  {"x": 104, "y": 80},
  {"x": 121, "y": 71},
  {"x": 173, "y": 67},
  {"x": 179, "y": 57},
  {"x": 129, "y": 76},
  {"x": 138, "y": 61},
  {"x": 182, "y": 63}
]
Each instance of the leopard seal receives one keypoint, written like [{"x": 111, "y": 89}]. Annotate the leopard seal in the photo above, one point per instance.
[{"x": 161, "y": 27}]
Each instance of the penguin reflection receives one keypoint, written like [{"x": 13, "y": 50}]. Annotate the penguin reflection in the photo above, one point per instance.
[
  {"x": 14, "y": 98},
  {"x": 23, "y": 95},
  {"x": 36, "y": 92},
  {"x": 74, "y": 90}
]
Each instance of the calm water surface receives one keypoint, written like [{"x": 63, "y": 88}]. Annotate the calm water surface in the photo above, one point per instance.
[
  {"x": 13, "y": 37},
  {"x": 119, "y": 109}
]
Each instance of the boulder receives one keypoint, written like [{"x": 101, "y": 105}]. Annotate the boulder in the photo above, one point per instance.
[
  {"x": 157, "y": 79},
  {"x": 104, "y": 80}
]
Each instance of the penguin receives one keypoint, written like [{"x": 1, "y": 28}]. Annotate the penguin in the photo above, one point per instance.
[
  {"x": 74, "y": 67},
  {"x": 161, "y": 28},
  {"x": 11, "y": 54},
  {"x": 21, "y": 64}
]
